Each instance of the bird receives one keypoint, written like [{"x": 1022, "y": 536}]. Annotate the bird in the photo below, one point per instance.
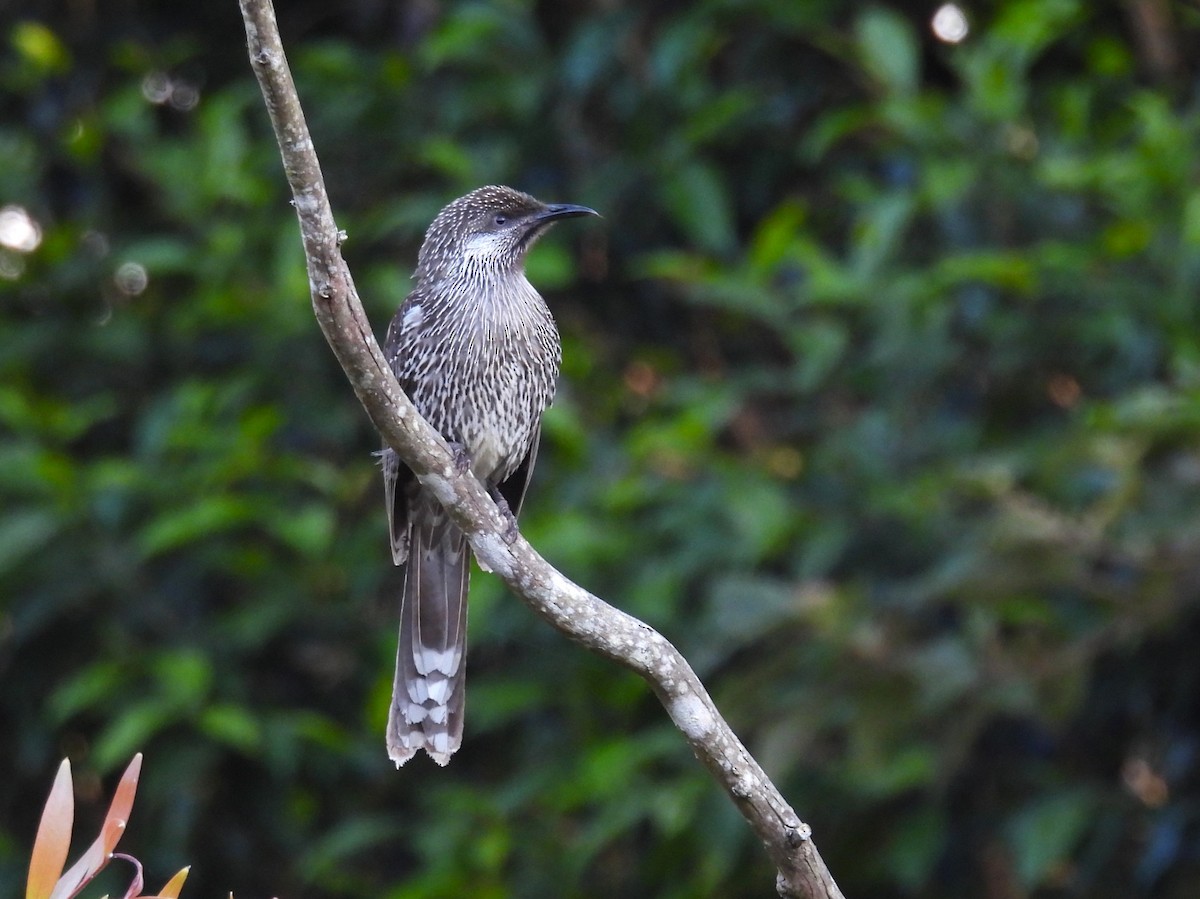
[{"x": 476, "y": 349}]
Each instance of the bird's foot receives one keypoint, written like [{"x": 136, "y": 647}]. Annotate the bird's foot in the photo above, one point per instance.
[
  {"x": 511, "y": 531},
  {"x": 462, "y": 459}
]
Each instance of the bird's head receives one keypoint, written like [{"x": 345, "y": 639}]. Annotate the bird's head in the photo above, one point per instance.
[{"x": 489, "y": 229}]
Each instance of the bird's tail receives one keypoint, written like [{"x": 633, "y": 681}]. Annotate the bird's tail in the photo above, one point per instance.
[{"x": 429, "y": 690}]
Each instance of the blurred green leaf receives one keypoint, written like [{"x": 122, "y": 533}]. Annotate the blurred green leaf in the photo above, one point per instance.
[
  {"x": 889, "y": 49},
  {"x": 136, "y": 723},
  {"x": 180, "y": 526},
  {"x": 914, "y": 847},
  {"x": 25, "y": 532},
  {"x": 87, "y": 689},
  {"x": 1044, "y": 833},
  {"x": 699, "y": 204},
  {"x": 308, "y": 530},
  {"x": 232, "y": 724},
  {"x": 41, "y": 46}
]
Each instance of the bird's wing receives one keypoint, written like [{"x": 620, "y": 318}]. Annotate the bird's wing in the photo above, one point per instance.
[
  {"x": 398, "y": 480},
  {"x": 514, "y": 486}
]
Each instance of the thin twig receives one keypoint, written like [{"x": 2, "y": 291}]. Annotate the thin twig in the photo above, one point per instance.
[{"x": 566, "y": 606}]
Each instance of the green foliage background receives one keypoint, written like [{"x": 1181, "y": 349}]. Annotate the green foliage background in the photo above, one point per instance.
[{"x": 881, "y": 399}]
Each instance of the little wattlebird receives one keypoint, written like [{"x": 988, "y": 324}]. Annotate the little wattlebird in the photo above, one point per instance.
[{"x": 476, "y": 349}]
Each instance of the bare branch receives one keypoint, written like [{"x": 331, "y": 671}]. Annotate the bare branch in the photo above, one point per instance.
[{"x": 566, "y": 606}]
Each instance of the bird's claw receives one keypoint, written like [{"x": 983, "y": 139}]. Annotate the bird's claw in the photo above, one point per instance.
[
  {"x": 462, "y": 459},
  {"x": 511, "y": 531}
]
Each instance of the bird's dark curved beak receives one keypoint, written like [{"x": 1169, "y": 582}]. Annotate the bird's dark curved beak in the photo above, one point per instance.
[{"x": 562, "y": 211}]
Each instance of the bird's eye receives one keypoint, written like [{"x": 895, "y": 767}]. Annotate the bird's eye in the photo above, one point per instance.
[{"x": 500, "y": 219}]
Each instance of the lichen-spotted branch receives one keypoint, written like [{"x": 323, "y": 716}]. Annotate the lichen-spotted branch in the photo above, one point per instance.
[{"x": 566, "y": 606}]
